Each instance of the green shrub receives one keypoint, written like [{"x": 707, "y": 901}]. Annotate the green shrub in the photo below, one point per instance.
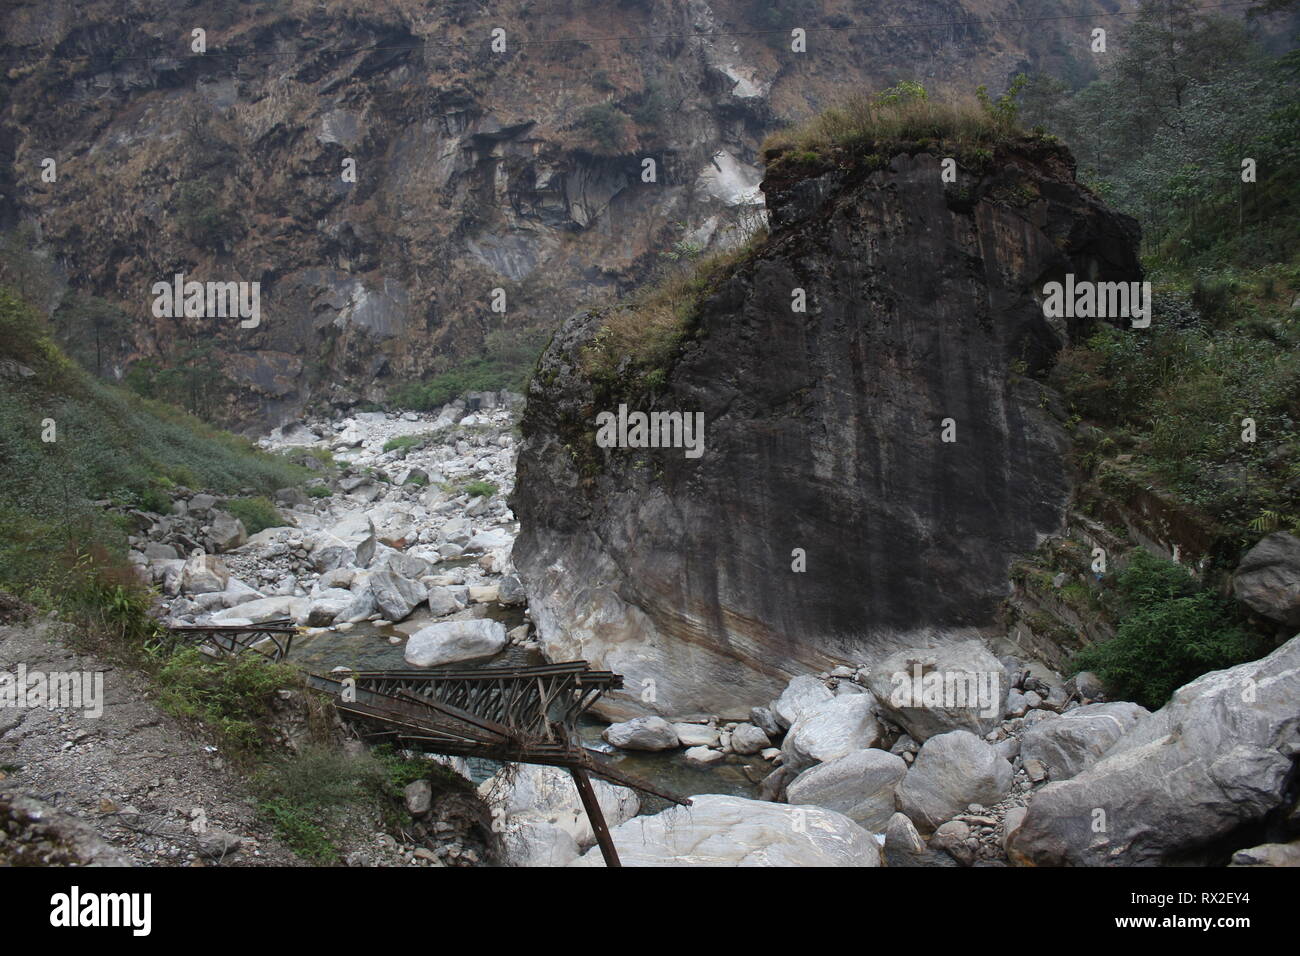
[
  {"x": 233, "y": 698},
  {"x": 1170, "y": 632},
  {"x": 478, "y": 489},
  {"x": 604, "y": 128},
  {"x": 319, "y": 491},
  {"x": 403, "y": 441},
  {"x": 257, "y": 514}
]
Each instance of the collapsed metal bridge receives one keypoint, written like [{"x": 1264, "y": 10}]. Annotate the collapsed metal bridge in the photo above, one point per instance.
[{"x": 509, "y": 714}]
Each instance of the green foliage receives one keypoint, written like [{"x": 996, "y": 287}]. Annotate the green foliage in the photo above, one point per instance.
[
  {"x": 603, "y": 129},
  {"x": 901, "y": 118},
  {"x": 483, "y": 489},
  {"x": 1171, "y": 631},
  {"x": 511, "y": 355},
  {"x": 403, "y": 441},
  {"x": 1180, "y": 390},
  {"x": 314, "y": 797},
  {"x": 231, "y": 698},
  {"x": 1162, "y": 134},
  {"x": 319, "y": 491},
  {"x": 257, "y": 514},
  {"x": 109, "y": 444},
  {"x": 202, "y": 215}
]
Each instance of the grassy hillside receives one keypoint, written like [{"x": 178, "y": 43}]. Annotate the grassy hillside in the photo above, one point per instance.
[{"x": 107, "y": 444}]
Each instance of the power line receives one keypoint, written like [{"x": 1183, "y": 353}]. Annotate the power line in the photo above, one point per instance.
[{"x": 850, "y": 30}]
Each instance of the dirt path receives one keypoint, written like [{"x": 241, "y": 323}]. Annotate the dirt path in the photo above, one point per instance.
[{"x": 144, "y": 783}]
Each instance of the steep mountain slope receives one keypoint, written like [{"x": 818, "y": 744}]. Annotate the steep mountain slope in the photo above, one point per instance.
[
  {"x": 824, "y": 430},
  {"x": 475, "y": 170}
]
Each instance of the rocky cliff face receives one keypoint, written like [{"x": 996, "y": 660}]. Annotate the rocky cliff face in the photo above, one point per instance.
[
  {"x": 475, "y": 170},
  {"x": 824, "y": 432}
]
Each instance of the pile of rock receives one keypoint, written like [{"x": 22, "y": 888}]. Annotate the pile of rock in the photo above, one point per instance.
[{"x": 419, "y": 533}]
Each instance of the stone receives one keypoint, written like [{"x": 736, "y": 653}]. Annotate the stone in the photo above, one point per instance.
[
  {"x": 483, "y": 594},
  {"x": 511, "y": 592},
  {"x": 1268, "y": 854},
  {"x": 800, "y": 695},
  {"x": 718, "y": 830},
  {"x": 226, "y": 532},
  {"x": 1011, "y": 821},
  {"x": 1268, "y": 578},
  {"x": 951, "y": 838},
  {"x": 156, "y": 551},
  {"x": 442, "y": 602},
  {"x": 952, "y": 771},
  {"x": 747, "y": 739},
  {"x": 332, "y": 557},
  {"x": 203, "y": 574},
  {"x": 1035, "y": 770},
  {"x": 765, "y": 720},
  {"x": 396, "y": 596},
  {"x": 1215, "y": 759},
  {"x": 962, "y": 687},
  {"x": 1077, "y": 740},
  {"x": 449, "y": 641},
  {"x": 419, "y": 796},
  {"x": 488, "y": 540},
  {"x": 215, "y": 844},
  {"x": 641, "y": 733},
  {"x": 696, "y": 735},
  {"x": 860, "y": 785},
  {"x": 1087, "y": 684},
  {"x": 901, "y": 837},
  {"x": 703, "y": 755},
  {"x": 832, "y": 729},
  {"x": 323, "y": 611}
]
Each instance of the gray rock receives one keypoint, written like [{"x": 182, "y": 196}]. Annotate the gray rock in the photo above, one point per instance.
[
  {"x": 748, "y": 739},
  {"x": 1214, "y": 759},
  {"x": 442, "y": 602},
  {"x": 214, "y": 844},
  {"x": 696, "y": 735},
  {"x": 800, "y": 695},
  {"x": 763, "y": 718},
  {"x": 1011, "y": 822},
  {"x": 511, "y": 592},
  {"x": 833, "y": 729},
  {"x": 1269, "y": 854},
  {"x": 396, "y": 596},
  {"x": 332, "y": 557},
  {"x": 156, "y": 551},
  {"x": 1077, "y": 740},
  {"x": 203, "y": 574},
  {"x": 952, "y": 771},
  {"x": 901, "y": 837},
  {"x": 226, "y": 532},
  {"x": 1268, "y": 578},
  {"x": 860, "y": 785},
  {"x": 419, "y": 796},
  {"x": 951, "y": 838},
  {"x": 722, "y": 830},
  {"x": 450, "y": 641},
  {"x": 960, "y": 687},
  {"x": 642, "y": 733}
]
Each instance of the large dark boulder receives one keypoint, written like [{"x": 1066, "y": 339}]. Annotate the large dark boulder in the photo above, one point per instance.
[{"x": 823, "y": 432}]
